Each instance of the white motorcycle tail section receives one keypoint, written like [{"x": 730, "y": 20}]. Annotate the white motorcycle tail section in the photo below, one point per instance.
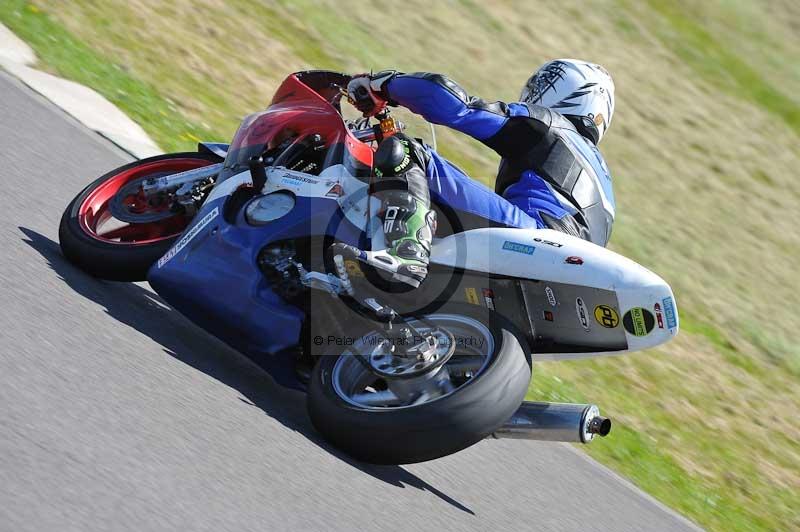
[
  {"x": 581, "y": 299},
  {"x": 572, "y": 282}
]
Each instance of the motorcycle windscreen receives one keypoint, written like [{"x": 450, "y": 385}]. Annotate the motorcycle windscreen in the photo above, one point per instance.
[{"x": 303, "y": 119}]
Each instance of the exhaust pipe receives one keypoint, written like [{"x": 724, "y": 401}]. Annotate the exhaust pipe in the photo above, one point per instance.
[{"x": 555, "y": 422}]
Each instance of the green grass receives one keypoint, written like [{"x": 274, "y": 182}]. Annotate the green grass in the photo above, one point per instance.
[
  {"x": 713, "y": 61},
  {"x": 310, "y": 48},
  {"x": 692, "y": 325},
  {"x": 641, "y": 456},
  {"x": 694, "y": 421}
]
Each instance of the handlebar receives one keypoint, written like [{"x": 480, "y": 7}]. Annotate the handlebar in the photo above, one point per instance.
[
  {"x": 386, "y": 126},
  {"x": 375, "y": 133},
  {"x": 365, "y": 135}
]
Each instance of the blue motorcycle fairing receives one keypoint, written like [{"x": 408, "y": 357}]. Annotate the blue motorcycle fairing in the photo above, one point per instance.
[{"x": 215, "y": 281}]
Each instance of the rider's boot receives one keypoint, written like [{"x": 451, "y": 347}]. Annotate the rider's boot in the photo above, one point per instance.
[
  {"x": 408, "y": 225},
  {"x": 408, "y": 221}
]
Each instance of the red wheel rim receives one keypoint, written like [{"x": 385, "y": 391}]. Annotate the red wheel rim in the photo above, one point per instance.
[{"x": 96, "y": 220}]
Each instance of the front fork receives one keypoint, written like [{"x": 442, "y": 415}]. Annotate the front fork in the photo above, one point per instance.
[{"x": 188, "y": 188}]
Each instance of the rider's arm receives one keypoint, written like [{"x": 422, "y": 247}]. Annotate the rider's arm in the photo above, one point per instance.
[{"x": 509, "y": 129}]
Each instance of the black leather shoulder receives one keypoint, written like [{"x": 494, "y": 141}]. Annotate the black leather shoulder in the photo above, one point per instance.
[{"x": 541, "y": 114}]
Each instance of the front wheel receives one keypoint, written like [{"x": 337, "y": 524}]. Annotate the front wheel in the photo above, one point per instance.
[
  {"x": 94, "y": 238},
  {"x": 382, "y": 420}
]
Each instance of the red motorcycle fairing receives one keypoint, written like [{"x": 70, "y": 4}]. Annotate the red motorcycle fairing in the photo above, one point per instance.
[{"x": 306, "y": 103}]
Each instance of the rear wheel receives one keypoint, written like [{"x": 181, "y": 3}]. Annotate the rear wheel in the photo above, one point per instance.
[
  {"x": 110, "y": 230},
  {"x": 378, "y": 419}
]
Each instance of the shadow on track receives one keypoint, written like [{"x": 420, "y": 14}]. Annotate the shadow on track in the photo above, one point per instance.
[{"x": 144, "y": 311}]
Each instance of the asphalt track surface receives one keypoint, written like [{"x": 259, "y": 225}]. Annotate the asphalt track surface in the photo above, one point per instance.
[{"x": 116, "y": 413}]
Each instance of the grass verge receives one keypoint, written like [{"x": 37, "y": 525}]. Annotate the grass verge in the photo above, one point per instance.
[{"x": 62, "y": 54}]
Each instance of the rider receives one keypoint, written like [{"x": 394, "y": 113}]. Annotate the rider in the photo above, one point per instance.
[{"x": 550, "y": 169}]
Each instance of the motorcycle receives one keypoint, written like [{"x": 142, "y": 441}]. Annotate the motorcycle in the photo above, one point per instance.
[{"x": 245, "y": 240}]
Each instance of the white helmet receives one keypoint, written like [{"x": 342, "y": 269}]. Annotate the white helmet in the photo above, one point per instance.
[{"x": 576, "y": 89}]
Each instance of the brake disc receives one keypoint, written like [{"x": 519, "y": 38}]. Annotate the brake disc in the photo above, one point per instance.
[{"x": 122, "y": 211}]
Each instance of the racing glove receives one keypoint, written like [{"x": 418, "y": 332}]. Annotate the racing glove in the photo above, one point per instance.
[{"x": 367, "y": 91}]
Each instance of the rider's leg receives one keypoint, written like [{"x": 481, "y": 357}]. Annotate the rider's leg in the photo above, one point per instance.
[{"x": 408, "y": 221}]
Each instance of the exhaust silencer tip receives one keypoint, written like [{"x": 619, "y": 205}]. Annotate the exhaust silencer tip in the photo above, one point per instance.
[
  {"x": 593, "y": 424},
  {"x": 599, "y": 425},
  {"x": 555, "y": 422}
]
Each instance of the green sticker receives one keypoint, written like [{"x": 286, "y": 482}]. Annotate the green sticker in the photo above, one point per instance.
[{"x": 638, "y": 321}]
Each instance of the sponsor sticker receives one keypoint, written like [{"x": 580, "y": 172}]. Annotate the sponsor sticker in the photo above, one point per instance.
[
  {"x": 551, "y": 297},
  {"x": 669, "y": 312},
  {"x": 516, "y": 247},
  {"x": 193, "y": 232},
  {"x": 574, "y": 260},
  {"x": 583, "y": 314},
  {"x": 638, "y": 321},
  {"x": 606, "y": 316},
  {"x": 472, "y": 296},
  {"x": 548, "y": 242},
  {"x": 488, "y": 298},
  {"x": 297, "y": 179},
  {"x": 659, "y": 316},
  {"x": 547, "y": 315},
  {"x": 335, "y": 191}
]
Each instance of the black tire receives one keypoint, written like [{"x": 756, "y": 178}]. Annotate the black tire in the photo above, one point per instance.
[
  {"x": 114, "y": 262},
  {"x": 434, "y": 429}
]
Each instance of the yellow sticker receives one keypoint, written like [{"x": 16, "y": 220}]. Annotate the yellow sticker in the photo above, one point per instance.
[
  {"x": 606, "y": 316},
  {"x": 472, "y": 296}
]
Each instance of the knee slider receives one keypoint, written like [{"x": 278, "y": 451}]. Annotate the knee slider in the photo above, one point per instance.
[{"x": 392, "y": 158}]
